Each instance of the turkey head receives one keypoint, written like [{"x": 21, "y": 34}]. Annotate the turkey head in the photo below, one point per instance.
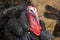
[{"x": 33, "y": 20}]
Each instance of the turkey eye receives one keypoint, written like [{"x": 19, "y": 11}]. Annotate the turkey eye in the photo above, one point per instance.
[{"x": 31, "y": 10}]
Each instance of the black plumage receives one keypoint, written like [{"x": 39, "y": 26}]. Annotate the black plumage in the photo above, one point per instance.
[
  {"x": 15, "y": 25},
  {"x": 16, "y": 21}
]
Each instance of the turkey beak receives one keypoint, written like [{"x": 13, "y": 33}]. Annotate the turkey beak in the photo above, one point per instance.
[{"x": 36, "y": 16}]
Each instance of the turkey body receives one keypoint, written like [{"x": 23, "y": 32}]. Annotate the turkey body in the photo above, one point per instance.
[
  {"x": 16, "y": 22},
  {"x": 14, "y": 25}
]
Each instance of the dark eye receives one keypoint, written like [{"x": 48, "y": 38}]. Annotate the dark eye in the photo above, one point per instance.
[{"x": 31, "y": 10}]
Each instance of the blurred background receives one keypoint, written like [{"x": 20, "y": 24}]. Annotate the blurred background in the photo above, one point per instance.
[{"x": 48, "y": 11}]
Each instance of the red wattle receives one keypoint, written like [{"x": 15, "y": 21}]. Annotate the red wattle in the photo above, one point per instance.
[{"x": 34, "y": 25}]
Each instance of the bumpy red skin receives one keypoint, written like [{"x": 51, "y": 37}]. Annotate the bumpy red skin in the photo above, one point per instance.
[{"x": 35, "y": 27}]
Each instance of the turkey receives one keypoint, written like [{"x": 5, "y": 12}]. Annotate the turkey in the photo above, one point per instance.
[{"x": 21, "y": 23}]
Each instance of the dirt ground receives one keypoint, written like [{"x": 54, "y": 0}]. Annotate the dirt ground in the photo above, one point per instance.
[{"x": 50, "y": 23}]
